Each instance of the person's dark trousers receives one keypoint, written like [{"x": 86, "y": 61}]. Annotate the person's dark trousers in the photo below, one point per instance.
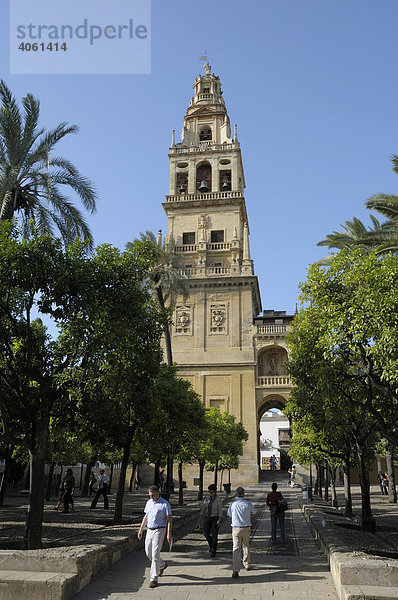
[
  {"x": 210, "y": 531},
  {"x": 67, "y": 499},
  {"x": 98, "y": 493}
]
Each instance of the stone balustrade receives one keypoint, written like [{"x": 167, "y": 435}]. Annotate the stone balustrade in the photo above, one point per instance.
[
  {"x": 186, "y": 248},
  {"x": 273, "y": 381},
  {"x": 215, "y": 246},
  {"x": 203, "y": 147},
  {"x": 205, "y": 271},
  {"x": 201, "y": 197},
  {"x": 206, "y": 96},
  {"x": 219, "y": 246},
  {"x": 272, "y": 329},
  {"x": 218, "y": 271}
]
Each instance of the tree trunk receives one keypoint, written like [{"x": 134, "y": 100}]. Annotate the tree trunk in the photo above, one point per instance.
[
  {"x": 169, "y": 478},
  {"x": 326, "y": 481},
  {"x": 165, "y": 326},
  {"x": 156, "y": 477},
  {"x": 50, "y": 481},
  {"x": 347, "y": 488},
  {"x": 319, "y": 468},
  {"x": 81, "y": 478},
  {"x": 392, "y": 490},
  {"x": 131, "y": 483},
  {"x": 333, "y": 486},
  {"x": 215, "y": 474},
  {"x": 4, "y": 480},
  {"x": 367, "y": 520},
  {"x": 118, "y": 514},
  {"x": 201, "y": 470},
  {"x": 110, "y": 477},
  {"x": 27, "y": 478},
  {"x": 34, "y": 518},
  {"x": 221, "y": 478},
  {"x": 180, "y": 488},
  {"x": 87, "y": 474},
  {"x": 316, "y": 484}
]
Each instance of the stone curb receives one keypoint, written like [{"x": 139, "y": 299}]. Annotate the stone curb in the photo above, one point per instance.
[
  {"x": 60, "y": 573},
  {"x": 356, "y": 574}
]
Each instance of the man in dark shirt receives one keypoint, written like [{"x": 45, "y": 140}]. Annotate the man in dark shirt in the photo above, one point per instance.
[
  {"x": 69, "y": 488},
  {"x": 211, "y": 513},
  {"x": 272, "y": 502}
]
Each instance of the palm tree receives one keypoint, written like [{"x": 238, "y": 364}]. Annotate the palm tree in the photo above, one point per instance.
[
  {"x": 166, "y": 278},
  {"x": 168, "y": 281},
  {"x": 355, "y": 234},
  {"x": 382, "y": 238},
  {"x": 31, "y": 179},
  {"x": 387, "y": 205}
]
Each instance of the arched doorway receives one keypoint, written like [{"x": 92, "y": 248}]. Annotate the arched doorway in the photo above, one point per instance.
[{"x": 273, "y": 435}]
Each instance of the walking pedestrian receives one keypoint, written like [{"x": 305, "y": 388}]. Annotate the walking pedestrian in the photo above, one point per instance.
[
  {"x": 380, "y": 478},
  {"x": 102, "y": 489},
  {"x": 292, "y": 475},
  {"x": 161, "y": 480},
  {"x": 273, "y": 462},
  {"x": 211, "y": 513},
  {"x": 276, "y": 515},
  {"x": 240, "y": 511},
  {"x": 69, "y": 488},
  {"x": 91, "y": 483},
  {"x": 385, "y": 483},
  {"x": 137, "y": 482},
  {"x": 157, "y": 519}
]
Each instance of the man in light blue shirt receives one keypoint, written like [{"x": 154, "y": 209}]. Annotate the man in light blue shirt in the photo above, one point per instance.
[
  {"x": 240, "y": 511},
  {"x": 157, "y": 519}
]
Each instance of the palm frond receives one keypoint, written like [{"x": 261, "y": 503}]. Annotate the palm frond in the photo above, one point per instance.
[{"x": 385, "y": 204}]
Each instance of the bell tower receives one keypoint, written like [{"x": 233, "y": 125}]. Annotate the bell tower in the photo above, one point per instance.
[{"x": 212, "y": 332}]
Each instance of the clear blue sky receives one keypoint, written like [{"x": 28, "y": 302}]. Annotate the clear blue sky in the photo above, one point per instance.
[{"x": 312, "y": 85}]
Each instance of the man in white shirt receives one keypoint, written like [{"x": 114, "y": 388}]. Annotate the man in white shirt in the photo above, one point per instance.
[
  {"x": 240, "y": 511},
  {"x": 157, "y": 519},
  {"x": 102, "y": 488}
]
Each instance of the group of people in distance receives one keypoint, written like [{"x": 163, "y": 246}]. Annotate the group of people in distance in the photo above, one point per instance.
[
  {"x": 67, "y": 490},
  {"x": 158, "y": 522}
]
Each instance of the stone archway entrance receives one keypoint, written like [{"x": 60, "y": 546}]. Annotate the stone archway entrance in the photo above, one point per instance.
[{"x": 273, "y": 435}]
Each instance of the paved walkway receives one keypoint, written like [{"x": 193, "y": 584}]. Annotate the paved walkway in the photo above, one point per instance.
[{"x": 294, "y": 570}]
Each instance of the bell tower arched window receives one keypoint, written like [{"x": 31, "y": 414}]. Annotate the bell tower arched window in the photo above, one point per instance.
[
  {"x": 205, "y": 135},
  {"x": 203, "y": 178}
]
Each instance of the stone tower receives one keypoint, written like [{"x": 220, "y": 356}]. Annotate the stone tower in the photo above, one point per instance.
[{"x": 212, "y": 334}]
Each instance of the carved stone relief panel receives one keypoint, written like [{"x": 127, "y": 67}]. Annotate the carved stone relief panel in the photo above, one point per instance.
[
  {"x": 272, "y": 362},
  {"x": 247, "y": 331},
  {"x": 183, "y": 319},
  {"x": 203, "y": 221},
  {"x": 218, "y": 318}
]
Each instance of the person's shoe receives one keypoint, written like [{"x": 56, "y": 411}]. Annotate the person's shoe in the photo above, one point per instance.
[
  {"x": 162, "y": 570},
  {"x": 212, "y": 554},
  {"x": 153, "y": 584},
  {"x": 235, "y": 574},
  {"x": 247, "y": 567}
]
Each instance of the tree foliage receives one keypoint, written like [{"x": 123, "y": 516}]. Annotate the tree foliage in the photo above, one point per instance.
[
  {"x": 343, "y": 350},
  {"x": 32, "y": 178}
]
